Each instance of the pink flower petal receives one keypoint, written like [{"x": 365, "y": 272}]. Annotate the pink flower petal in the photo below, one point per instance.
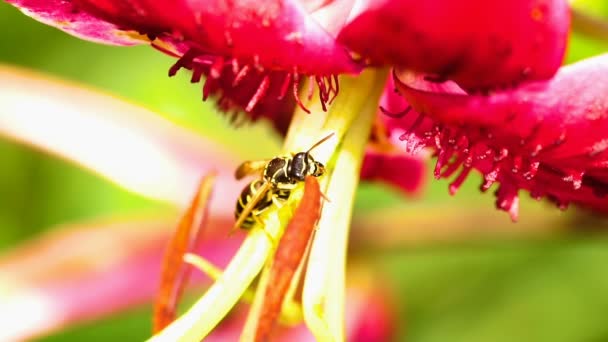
[
  {"x": 370, "y": 315},
  {"x": 83, "y": 272},
  {"x": 127, "y": 144},
  {"x": 67, "y": 16},
  {"x": 550, "y": 138},
  {"x": 478, "y": 44}
]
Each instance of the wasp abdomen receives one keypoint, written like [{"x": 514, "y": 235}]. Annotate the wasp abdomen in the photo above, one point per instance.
[{"x": 247, "y": 195}]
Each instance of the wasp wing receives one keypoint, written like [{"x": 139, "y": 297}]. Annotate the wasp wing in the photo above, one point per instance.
[
  {"x": 260, "y": 193},
  {"x": 250, "y": 167}
]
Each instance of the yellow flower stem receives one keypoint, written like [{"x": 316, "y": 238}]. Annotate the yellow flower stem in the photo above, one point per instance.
[
  {"x": 213, "y": 272},
  {"x": 291, "y": 311},
  {"x": 324, "y": 287}
]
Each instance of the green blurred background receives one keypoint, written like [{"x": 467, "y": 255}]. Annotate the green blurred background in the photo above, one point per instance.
[{"x": 549, "y": 288}]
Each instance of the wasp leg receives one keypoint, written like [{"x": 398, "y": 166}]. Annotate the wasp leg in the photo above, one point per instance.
[
  {"x": 257, "y": 220},
  {"x": 277, "y": 202}
]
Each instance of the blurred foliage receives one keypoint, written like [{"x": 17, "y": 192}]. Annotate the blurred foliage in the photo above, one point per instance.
[
  {"x": 582, "y": 46},
  {"x": 535, "y": 290}
]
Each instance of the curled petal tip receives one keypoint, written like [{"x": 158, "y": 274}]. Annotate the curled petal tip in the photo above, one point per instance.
[
  {"x": 547, "y": 137},
  {"x": 398, "y": 169},
  {"x": 69, "y": 17}
]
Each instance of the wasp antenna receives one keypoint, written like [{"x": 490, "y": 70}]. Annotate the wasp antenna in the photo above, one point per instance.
[{"x": 320, "y": 142}]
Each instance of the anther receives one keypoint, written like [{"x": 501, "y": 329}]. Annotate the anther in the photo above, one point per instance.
[
  {"x": 197, "y": 73},
  {"x": 216, "y": 67},
  {"x": 235, "y": 65},
  {"x": 259, "y": 94},
  {"x": 207, "y": 88},
  {"x": 284, "y": 86},
  {"x": 311, "y": 87},
  {"x": 452, "y": 167},
  {"x": 455, "y": 185},
  {"x": 241, "y": 75},
  {"x": 296, "y": 96},
  {"x": 183, "y": 62}
]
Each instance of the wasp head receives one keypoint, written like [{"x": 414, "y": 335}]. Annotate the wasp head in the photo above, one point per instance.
[
  {"x": 317, "y": 168},
  {"x": 303, "y": 164},
  {"x": 313, "y": 167}
]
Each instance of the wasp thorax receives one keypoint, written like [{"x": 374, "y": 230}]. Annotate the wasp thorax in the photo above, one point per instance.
[
  {"x": 276, "y": 171},
  {"x": 299, "y": 166}
]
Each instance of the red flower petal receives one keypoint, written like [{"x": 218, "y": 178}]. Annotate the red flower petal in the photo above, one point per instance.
[
  {"x": 370, "y": 315},
  {"x": 67, "y": 16},
  {"x": 550, "y": 138},
  {"x": 387, "y": 158},
  {"x": 250, "y": 52},
  {"x": 478, "y": 44},
  {"x": 403, "y": 171},
  {"x": 272, "y": 35}
]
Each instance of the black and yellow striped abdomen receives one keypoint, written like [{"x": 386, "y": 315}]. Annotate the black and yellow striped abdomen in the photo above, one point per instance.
[{"x": 265, "y": 202}]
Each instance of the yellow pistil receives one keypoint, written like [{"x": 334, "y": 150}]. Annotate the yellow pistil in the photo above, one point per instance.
[{"x": 324, "y": 287}]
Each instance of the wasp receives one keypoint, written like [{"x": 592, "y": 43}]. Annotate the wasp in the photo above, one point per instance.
[{"x": 279, "y": 176}]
